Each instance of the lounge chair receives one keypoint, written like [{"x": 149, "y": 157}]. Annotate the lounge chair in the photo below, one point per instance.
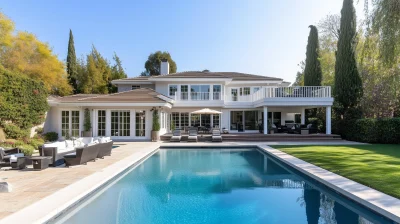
[
  {"x": 9, "y": 156},
  {"x": 176, "y": 136},
  {"x": 82, "y": 155},
  {"x": 216, "y": 136},
  {"x": 192, "y": 135}
]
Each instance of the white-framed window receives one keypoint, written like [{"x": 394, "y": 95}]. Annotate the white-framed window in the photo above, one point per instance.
[
  {"x": 135, "y": 87},
  {"x": 216, "y": 118},
  {"x": 184, "y": 92},
  {"x": 216, "y": 92},
  {"x": 65, "y": 123},
  {"x": 70, "y": 123},
  {"x": 245, "y": 91},
  {"x": 256, "y": 89},
  {"x": 101, "y": 123},
  {"x": 175, "y": 119},
  {"x": 140, "y": 123},
  {"x": 173, "y": 89},
  {"x": 184, "y": 120},
  {"x": 120, "y": 123},
  {"x": 74, "y": 123}
]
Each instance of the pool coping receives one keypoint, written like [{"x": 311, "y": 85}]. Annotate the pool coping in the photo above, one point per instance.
[
  {"x": 377, "y": 201},
  {"x": 53, "y": 206}
]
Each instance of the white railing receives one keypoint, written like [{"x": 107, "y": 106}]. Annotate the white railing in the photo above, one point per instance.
[
  {"x": 284, "y": 92},
  {"x": 200, "y": 96},
  {"x": 197, "y": 96}
]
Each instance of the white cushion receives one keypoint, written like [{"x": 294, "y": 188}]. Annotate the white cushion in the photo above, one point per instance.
[
  {"x": 309, "y": 125},
  {"x": 87, "y": 140},
  {"x": 78, "y": 143},
  {"x": 69, "y": 143},
  {"x": 14, "y": 157},
  {"x": 65, "y": 150},
  {"x": 102, "y": 140}
]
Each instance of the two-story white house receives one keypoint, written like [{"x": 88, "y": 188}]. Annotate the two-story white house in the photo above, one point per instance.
[{"x": 245, "y": 101}]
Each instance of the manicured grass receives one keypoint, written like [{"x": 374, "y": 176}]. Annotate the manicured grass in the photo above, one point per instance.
[{"x": 376, "y": 166}]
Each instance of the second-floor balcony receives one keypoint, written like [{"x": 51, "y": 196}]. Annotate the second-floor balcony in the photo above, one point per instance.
[{"x": 232, "y": 95}]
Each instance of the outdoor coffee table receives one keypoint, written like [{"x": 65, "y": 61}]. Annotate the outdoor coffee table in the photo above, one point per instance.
[{"x": 40, "y": 162}]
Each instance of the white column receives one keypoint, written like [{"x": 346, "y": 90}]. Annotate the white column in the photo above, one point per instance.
[
  {"x": 303, "y": 116},
  {"x": 265, "y": 120},
  {"x": 328, "y": 120}
]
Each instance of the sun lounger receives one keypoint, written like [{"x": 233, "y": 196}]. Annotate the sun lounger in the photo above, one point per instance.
[
  {"x": 9, "y": 156},
  {"x": 192, "y": 135},
  {"x": 216, "y": 136},
  {"x": 176, "y": 136}
]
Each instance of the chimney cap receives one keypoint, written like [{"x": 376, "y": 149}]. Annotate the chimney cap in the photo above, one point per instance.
[{"x": 164, "y": 60}]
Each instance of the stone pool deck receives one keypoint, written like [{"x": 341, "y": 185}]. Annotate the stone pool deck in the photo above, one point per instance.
[
  {"x": 40, "y": 195},
  {"x": 31, "y": 186}
]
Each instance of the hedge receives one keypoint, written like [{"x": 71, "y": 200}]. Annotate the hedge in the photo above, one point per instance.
[
  {"x": 385, "y": 130},
  {"x": 23, "y": 101}
]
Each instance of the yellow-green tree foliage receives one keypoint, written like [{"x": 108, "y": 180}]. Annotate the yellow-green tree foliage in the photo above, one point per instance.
[{"x": 26, "y": 54}]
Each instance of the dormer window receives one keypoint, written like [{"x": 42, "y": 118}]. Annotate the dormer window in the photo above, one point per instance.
[{"x": 135, "y": 87}]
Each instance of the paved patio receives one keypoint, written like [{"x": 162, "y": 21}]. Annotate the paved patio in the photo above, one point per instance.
[{"x": 31, "y": 186}]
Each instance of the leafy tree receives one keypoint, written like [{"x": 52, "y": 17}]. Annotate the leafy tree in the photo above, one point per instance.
[
  {"x": 312, "y": 71},
  {"x": 300, "y": 75},
  {"x": 71, "y": 63},
  {"x": 144, "y": 73},
  {"x": 98, "y": 72},
  {"x": 28, "y": 55},
  {"x": 385, "y": 19},
  {"x": 348, "y": 87},
  {"x": 6, "y": 29},
  {"x": 152, "y": 64},
  {"x": 117, "y": 72}
]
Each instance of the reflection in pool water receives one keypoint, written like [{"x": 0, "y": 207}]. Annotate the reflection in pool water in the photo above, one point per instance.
[{"x": 217, "y": 186}]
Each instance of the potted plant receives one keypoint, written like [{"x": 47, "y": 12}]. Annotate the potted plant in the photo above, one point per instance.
[
  {"x": 271, "y": 131},
  {"x": 155, "y": 132},
  {"x": 87, "y": 124}
]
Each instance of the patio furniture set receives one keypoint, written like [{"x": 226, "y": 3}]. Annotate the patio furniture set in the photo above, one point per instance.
[
  {"x": 192, "y": 137},
  {"x": 70, "y": 152}
]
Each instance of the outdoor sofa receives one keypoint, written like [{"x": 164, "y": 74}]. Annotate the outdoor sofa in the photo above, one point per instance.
[
  {"x": 57, "y": 150},
  {"x": 82, "y": 155}
]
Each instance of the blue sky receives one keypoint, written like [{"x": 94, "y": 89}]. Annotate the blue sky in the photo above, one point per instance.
[{"x": 266, "y": 37}]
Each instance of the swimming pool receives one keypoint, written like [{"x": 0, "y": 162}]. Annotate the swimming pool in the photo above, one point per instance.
[{"x": 237, "y": 185}]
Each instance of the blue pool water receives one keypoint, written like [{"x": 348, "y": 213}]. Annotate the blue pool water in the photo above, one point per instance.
[{"x": 217, "y": 186}]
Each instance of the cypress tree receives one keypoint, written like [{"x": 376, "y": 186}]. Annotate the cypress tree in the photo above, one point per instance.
[
  {"x": 312, "y": 70},
  {"x": 348, "y": 85},
  {"x": 72, "y": 63}
]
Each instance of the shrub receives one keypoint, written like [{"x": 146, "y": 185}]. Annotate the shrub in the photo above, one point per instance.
[
  {"x": 156, "y": 121},
  {"x": 36, "y": 142},
  {"x": 13, "y": 131},
  {"x": 27, "y": 149},
  {"x": 23, "y": 100},
  {"x": 51, "y": 136},
  {"x": 386, "y": 130},
  {"x": 87, "y": 125}
]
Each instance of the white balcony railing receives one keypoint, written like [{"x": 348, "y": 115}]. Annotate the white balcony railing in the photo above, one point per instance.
[
  {"x": 284, "y": 92},
  {"x": 197, "y": 96},
  {"x": 263, "y": 93}
]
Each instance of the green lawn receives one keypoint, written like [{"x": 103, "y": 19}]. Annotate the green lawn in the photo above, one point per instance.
[{"x": 376, "y": 166}]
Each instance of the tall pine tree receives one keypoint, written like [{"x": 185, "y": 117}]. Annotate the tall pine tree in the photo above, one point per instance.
[
  {"x": 348, "y": 85},
  {"x": 72, "y": 63},
  {"x": 312, "y": 70}
]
